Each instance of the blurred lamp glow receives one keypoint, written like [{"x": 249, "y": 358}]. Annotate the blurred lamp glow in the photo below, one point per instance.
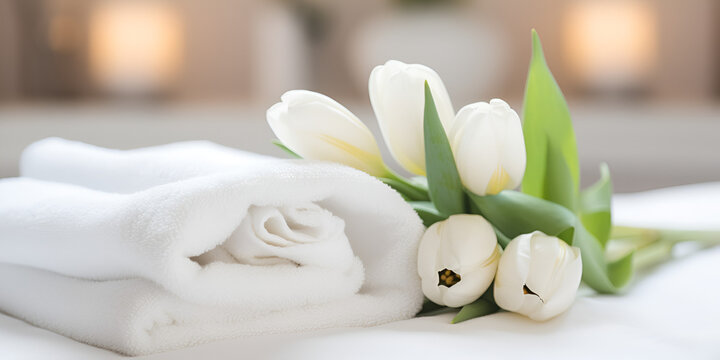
[
  {"x": 135, "y": 46},
  {"x": 611, "y": 44}
]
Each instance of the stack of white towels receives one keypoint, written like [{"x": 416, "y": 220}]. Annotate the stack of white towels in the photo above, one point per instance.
[{"x": 153, "y": 249}]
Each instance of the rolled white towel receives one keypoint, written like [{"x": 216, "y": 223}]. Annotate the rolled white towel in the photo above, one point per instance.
[{"x": 263, "y": 238}]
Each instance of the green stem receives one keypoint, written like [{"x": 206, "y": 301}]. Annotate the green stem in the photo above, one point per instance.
[
  {"x": 652, "y": 255},
  {"x": 655, "y": 246},
  {"x": 412, "y": 190}
]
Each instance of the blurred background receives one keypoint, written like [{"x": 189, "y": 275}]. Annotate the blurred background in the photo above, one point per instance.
[{"x": 642, "y": 77}]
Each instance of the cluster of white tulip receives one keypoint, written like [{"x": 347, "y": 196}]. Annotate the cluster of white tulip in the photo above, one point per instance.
[
  {"x": 537, "y": 275},
  {"x": 459, "y": 258},
  {"x": 486, "y": 138}
]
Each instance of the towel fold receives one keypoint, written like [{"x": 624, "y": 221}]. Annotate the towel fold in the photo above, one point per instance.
[{"x": 152, "y": 249}]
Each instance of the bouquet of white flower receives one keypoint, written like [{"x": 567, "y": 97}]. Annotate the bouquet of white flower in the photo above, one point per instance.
[{"x": 486, "y": 246}]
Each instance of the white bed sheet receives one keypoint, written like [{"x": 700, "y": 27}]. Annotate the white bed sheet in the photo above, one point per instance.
[{"x": 672, "y": 312}]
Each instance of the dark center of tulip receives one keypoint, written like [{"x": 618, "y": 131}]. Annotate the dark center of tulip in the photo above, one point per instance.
[
  {"x": 527, "y": 291},
  {"x": 448, "y": 278}
]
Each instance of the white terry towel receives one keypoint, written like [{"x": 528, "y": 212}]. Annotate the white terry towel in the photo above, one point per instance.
[{"x": 232, "y": 244}]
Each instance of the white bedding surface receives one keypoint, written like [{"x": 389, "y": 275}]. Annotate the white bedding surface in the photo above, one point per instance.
[{"x": 672, "y": 312}]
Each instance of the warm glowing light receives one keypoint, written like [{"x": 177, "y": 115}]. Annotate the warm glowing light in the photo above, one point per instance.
[
  {"x": 135, "y": 46},
  {"x": 611, "y": 44}
]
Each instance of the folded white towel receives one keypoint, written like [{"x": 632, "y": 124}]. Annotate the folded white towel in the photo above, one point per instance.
[
  {"x": 232, "y": 243},
  {"x": 126, "y": 171}
]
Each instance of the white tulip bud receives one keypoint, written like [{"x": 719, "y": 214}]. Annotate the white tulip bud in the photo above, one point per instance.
[
  {"x": 488, "y": 145},
  {"x": 538, "y": 276},
  {"x": 317, "y": 127},
  {"x": 457, "y": 259},
  {"x": 397, "y": 94}
]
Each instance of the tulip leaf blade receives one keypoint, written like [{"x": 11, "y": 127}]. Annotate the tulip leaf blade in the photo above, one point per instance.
[
  {"x": 427, "y": 212},
  {"x": 558, "y": 186},
  {"x": 407, "y": 190},
  {"x": 478, "y": 308},
  {"x": 444, "y": 185},
  {"x": 595, "y": 206},
  {"x": 596, "y": 271},
  {"x": 502, "y": 239},
  {"x": 549, "y": 135},
  {"x": 419, "y": 181},
  {"x": 515, "y": 213},
  {"x": 286, "y": 149},
  {"x": 430, "y": 308},
  {"x": 621, "y": 270}
]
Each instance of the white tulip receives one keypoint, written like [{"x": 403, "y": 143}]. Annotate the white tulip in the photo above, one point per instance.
[
  {"x": 457, "y": 259},
  {"x": 397, "y": 94},
  {"x": 538, "y": 276},
  {"x": 488, "y": 145},
  {"x": 317, "y": 127}
]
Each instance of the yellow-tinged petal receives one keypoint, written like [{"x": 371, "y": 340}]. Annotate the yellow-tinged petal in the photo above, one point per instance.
[
  {"x": 317, "y": 127},
  {"x": 498, "y": 181},
  {"x": 397, "y": 96},
  {"x": 487, "y": 142},
  {"x": 373, "y": 161}
]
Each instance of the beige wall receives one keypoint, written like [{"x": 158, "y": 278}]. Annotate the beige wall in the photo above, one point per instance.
[
  {"x": 9, "y": 77},
  {"x": 219, "y": 61}
]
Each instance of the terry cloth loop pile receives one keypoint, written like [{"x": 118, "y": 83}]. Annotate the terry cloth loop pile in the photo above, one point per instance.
[{"x": 153, "y": 249}]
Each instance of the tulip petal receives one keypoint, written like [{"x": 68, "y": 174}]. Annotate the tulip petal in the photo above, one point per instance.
[
  {"x": 498, "y": 180},
  {"x": 538, "y": 276},
  {"x": 315, "y": 126},
  {"x": 397, "y": 97},
  {"x": 475, "y": 149},
  {"x": 564, "y": 287},
  {"x": 513, "y": 156},
  {"x": 513, "y": 270},
  {"x": 464, "y": 247},
  {"x": 488, "y": 145}
]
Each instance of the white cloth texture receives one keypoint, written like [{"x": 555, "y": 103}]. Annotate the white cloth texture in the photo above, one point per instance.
[
  {"x": 682, "y": 208},
  {"x": 668, "y": 313},
  {"x": 153, "y": 249}
]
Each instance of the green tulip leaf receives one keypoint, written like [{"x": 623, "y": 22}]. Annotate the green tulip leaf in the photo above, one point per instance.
[
  {"x": 515, "y": 213},
  {"x": 427, "y": 212},
  {"x": 408, "y": 191},
  {"x": 286, "y": 149},
  {"x": 621, "y": 270},
  {"x": 502, "y": 239},
  {"x": 420, "y": 182},
  {"x": 485, "y": 305},
  {"x": 558, "y": 186},
  {"x": 444, "y": 185},
  {"x": 430, "y": 308},
  {"x": 595, "y": 204},
  {"x": 604, "y": 277},
  {"x": 552, "y": 171}
]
